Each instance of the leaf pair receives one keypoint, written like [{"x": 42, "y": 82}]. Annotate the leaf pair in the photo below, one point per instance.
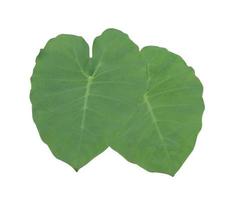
[{"x": 147, "y": 105}]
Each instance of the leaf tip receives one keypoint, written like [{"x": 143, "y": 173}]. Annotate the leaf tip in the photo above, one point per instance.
[{"x": 76, "y": 169}]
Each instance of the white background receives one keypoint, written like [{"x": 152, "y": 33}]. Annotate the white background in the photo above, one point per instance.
[{"x": 198, "y": 30}]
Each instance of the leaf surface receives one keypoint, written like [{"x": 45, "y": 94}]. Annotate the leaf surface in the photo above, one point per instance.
[
  {"x": 79, "y": 101},
  {"x": 162, "y": 132},
  {"x": 147, "y": 105}
]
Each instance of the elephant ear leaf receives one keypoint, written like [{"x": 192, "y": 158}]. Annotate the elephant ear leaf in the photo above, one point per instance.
[
  {"x": 78, "y": 101},
  {"x": 162, "y": 132}
]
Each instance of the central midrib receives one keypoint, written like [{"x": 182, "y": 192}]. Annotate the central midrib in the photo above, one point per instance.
[
  {"x": 86, "y": 98},
  {"x": 154, "y": 121},
  {"x": 85, "y": 104},
  {"x": 86, "y": 95}
]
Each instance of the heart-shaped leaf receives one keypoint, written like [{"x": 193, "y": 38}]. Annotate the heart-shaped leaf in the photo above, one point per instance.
[
  {"x": 78, "y": 101},
  {"x": 161, "y": 133}
]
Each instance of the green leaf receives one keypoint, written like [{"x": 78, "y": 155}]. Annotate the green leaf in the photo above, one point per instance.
[
  {"x": 162, "y": 132},
  {"x": 77, "y": 101},
  {"x": 147, "y": 105}
]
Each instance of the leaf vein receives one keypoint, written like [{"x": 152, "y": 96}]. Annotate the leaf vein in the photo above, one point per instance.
[{"x": 155, "y": 122}]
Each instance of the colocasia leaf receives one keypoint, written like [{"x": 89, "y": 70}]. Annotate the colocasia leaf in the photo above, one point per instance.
[
  {"x": 162, "y": 132},
  {"x": 147, "y": 105},
  {"x": 78, "y": 101}
]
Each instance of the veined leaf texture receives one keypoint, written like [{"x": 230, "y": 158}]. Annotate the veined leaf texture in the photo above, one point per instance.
[{"x": 147, "y": 105}]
